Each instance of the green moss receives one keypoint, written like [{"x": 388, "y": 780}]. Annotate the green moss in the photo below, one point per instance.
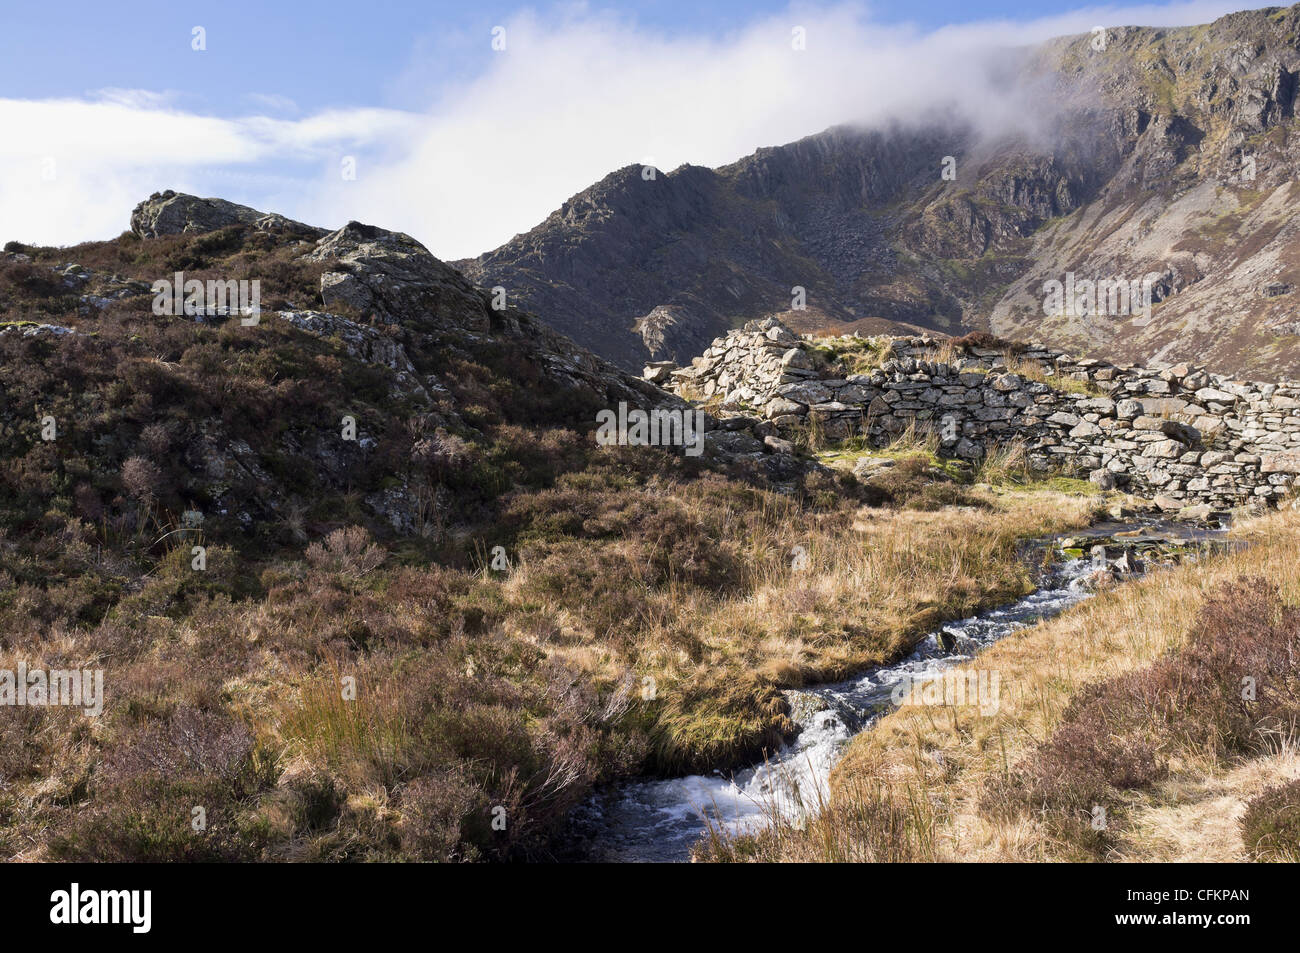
[
  {"x": 846, "y": 356},
  {"x": 1071, "y": 485}
]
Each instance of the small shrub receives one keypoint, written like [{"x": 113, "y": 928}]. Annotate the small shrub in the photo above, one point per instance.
[
  {"x": 156, "y": 439},
  {"x": 1270, "y": 827},
  {"x": 985, "y": 341},
  {"x": 349, "y": 552},
  {"x": 142, "y": 479}
]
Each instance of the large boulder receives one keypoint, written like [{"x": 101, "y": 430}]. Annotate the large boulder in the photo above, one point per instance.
[
  {"x": 659, "y": 372},
  {"x": 176, "y": 213},
  {"x": 392, "y": 277}
]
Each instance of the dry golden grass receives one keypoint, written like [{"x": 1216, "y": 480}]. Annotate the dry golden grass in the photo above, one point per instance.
[
  {"x": 871, "y": 584},
  {"x": 936, "y": 763},
  {"x": 1196, "y": 816},
  {"x": 847, "y": 355},
  {"x": 1034, "y": 371},
  {"x": 477, "y": 690}
]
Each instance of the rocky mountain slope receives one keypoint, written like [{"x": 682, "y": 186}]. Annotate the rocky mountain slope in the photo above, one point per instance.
[{"x": 1159, "y": 154}]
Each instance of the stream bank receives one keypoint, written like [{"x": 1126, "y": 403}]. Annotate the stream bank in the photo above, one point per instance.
[{"x": 659, "y": 820}]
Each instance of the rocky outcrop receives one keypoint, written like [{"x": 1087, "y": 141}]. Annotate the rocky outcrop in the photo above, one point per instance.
[
  {"x": 393, "y": 277},
  {"x": 365, "y": 343},
  {"x": 95, "y": 290},
  {"x": 1177, "y": 434},
  {"x": 172, "y": 213},
  {"x": 397, "y": 383},
  {"x": 175, "y": 213},
  {"x": 676, "y": 331}
]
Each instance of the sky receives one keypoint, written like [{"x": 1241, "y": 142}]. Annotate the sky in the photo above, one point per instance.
[{"x": 463, "y": 123}]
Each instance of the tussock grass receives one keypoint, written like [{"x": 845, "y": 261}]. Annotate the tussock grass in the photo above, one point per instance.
[
  {"x": 1034, "y": 371},
  {"x": 647, "y": 624},
  {"x": 916, "y": 439},
  {"x": 873, "y": 580},
  {"x": 844, "y": 356},
  {"x": 1004, "y": 465},
  {"x": 653, "y": 610},
  {"x": 1229, "y": 691}
]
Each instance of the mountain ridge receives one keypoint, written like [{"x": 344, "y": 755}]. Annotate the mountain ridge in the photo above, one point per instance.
[{"x": 650, "y": 265}]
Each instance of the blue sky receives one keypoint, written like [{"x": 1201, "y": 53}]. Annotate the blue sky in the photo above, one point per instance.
[
  {"x": 457, "y": 143},
  {"x": 339, "y": 52}
]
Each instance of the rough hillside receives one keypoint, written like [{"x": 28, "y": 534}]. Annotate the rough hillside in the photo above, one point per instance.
[
  {"x": 360, "y": 582},
  {"x": 293, "y": 543},
  {"x": 246, "y": 423}
]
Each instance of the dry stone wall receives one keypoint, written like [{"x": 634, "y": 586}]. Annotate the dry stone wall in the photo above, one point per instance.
[{"x": 1178, "y": 435}]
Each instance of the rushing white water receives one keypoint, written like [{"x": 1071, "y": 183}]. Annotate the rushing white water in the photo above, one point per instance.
[{"x": 661, "y": 820}]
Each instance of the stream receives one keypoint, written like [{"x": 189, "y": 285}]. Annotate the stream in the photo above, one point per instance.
[{"x": 660, "y": 820}]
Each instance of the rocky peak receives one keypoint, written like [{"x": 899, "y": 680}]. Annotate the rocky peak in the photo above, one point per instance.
[
  {"x": 177, "y": 213},
  {"x": 1168, "y": 152}
]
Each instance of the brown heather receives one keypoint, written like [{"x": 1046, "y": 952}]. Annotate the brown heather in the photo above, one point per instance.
[
  {"x": 1271, "y": 825},
  {"x": 475, "y": 689}
]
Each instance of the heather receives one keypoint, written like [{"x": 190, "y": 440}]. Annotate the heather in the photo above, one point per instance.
[{"x": 432, "y": 641}]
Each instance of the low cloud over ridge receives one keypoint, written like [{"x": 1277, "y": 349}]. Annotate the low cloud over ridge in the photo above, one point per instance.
[{"x": 568, "y": 100}]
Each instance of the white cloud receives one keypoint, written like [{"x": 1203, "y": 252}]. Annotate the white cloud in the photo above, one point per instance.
[
  {"x": 134, "y": 98},
  {"x": 71, "y": 170},
  {"x": 568, "y": 101}
]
